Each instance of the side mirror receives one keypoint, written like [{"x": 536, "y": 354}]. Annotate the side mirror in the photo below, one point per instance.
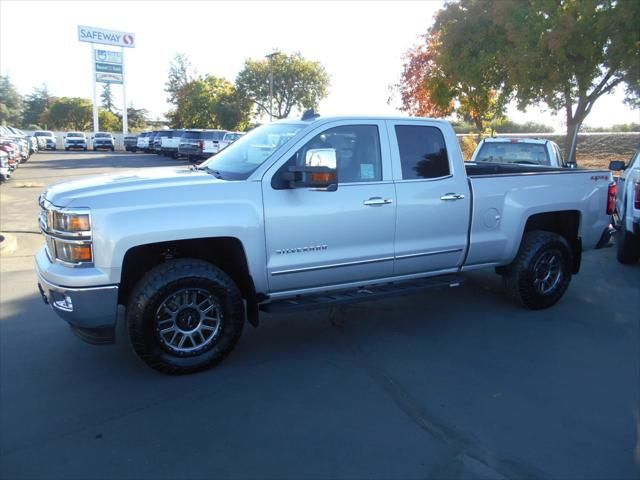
[
  {"x": 617, "y": 165},
  {"x": 319, "y": 172}
]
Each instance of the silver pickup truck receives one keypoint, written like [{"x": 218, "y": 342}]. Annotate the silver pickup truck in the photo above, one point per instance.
[{"x": 305, "y": 213}]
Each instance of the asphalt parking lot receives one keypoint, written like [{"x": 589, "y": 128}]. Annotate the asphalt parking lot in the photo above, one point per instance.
[{"x": 451, "y": 384}]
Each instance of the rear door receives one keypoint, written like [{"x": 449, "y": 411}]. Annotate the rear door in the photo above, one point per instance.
[
  {"x": 433, "y": 200},
  {"x": 323, "y": 238}
]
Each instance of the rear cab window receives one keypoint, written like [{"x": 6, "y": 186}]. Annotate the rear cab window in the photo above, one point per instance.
[
  {"x": 522, "y": 153},
  {"x": 423, "y": 152}
]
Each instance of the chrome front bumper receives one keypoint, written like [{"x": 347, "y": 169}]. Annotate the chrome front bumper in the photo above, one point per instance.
[{"x": 90, "y": 311}]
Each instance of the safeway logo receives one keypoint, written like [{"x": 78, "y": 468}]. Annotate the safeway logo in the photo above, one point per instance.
[{"x": 106, "y": 37}]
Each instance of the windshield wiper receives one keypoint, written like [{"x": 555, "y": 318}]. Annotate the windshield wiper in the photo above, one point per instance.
[{"x": 213, "y": 172}]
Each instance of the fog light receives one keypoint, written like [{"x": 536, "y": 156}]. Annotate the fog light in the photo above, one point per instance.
[{"x": 64, "y": 304}]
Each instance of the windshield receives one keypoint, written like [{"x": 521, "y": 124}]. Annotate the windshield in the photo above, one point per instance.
[
  {"x": 103, "y": 135},
  {"x": 80, "y": 135},
  {"x": 43, "y": 134},
  {"x": 513, "y": 152},
  {"x": 241, "y": 158}
]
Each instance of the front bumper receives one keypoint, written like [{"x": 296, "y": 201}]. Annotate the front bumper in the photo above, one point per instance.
[{"x": 90, "y": 311}]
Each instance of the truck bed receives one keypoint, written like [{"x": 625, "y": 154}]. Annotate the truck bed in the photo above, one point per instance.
[{"x": 505, "y": 197}]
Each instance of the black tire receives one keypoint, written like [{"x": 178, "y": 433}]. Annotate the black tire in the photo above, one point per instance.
[
  {"x": 85, "y": 149},
  {"x": 627, "y": 246},
  {"x": 163, "y": 286},
  {"x": 94, "y": 149},
  {"x": 113, "y": 149},
  {"x": 541, "y": 271},
  {"x": 66, "y": 149}
]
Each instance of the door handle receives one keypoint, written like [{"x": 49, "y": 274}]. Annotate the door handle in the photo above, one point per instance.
[
  {"x": 377, "y": 202},
  {"x": 452, "y": 196}
]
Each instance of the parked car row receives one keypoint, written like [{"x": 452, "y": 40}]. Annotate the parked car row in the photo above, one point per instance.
[
  {"x": 16, "y": 147},
  {"x": 76, "y": 140},
  {"x": 192, "y": 144}
]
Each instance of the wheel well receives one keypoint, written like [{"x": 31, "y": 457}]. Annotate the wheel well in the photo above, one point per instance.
[
  {"x": 564, "y": 223},
  {"x": 226, "y": 253}
]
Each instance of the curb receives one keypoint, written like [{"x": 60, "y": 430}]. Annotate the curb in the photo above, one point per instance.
[{"x": 8, "y": 243}]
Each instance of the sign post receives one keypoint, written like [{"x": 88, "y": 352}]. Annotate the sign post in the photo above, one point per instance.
[
  {"x": 125, "y": 120},
  {"x": 96, "y": 125},
  {"x": 108, "y": 65}
]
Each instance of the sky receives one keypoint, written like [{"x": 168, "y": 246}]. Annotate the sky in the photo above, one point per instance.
[{"x": 360, "y": 44}]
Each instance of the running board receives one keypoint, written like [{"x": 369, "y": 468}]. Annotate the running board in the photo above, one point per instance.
[{"x": 374, "y": 292}]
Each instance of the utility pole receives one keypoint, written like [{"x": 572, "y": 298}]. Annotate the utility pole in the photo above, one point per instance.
[{"x": 270, "y": 57}]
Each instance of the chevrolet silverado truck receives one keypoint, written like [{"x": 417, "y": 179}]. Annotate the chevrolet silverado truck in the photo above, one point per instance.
[
  {"x": 104, "y": 141},
  {"x": 302, "y": 213},
  {"x": 628, "y": 209},
  {"x": 520, "y": 150}
]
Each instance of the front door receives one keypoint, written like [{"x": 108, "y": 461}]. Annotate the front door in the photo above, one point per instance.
[{"x": 325, "y": 238}]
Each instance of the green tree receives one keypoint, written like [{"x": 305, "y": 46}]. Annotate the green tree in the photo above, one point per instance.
[
  {"x": 297, "y": 83},
  {"x": 564, "y": 53},
  {"x": 570, "y": 53},
  {"x": 35, "y": 105},
  {"x": 210, "y": 102},
  {"x": 181, "y": 72},
  {"x": 69, "y": 113},
  {"x": 10, "y": 103},
  {"x": 136, "y": 118},
  {"x": 451, "y": 73},
  {"x": 107, "y": 98},
  {"x": 109, "y": 121}
]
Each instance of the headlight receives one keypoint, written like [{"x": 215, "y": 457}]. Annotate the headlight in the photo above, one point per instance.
[
  {"x": 68, "y": 233},
  {"x": 73, "y": 252},
  {"x": 71, "y": 222}
]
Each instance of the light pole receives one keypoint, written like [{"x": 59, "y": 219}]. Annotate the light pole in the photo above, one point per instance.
[{"x": 270, "y": 57}]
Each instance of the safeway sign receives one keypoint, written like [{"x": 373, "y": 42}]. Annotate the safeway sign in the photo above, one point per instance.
[{"x": 106, "y": 37}]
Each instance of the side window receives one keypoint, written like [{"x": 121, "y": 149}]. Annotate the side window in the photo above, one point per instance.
[
  {"x": 357, "y": 152},
  {"x": 558, "y": 155},
  {"x": 423, "y": 153}
]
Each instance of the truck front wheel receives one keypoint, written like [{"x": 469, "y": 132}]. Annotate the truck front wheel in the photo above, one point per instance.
[
  {"x": 541, "y": 272},
  {"x": 184, "y": 315}
]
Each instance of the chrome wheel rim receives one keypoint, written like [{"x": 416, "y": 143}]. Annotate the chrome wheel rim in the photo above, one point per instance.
[
  {"x": 547, "y": 272},
  {"x": 188, "y": 320}
]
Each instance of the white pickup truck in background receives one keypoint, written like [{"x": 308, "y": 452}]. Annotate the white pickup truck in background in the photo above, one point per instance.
[
  {"x": 522, "y": 151},
  {"x": 169, "y": 142},
  {"x": 628, "y": 209},
  {"x": 303, "y": 213}
]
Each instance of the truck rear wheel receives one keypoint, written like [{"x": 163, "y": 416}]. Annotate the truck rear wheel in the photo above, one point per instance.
[
  {"x": 184, "y": 315},
  {"x": 628, "y": 247},
  {"x": 541, "y": 272}
]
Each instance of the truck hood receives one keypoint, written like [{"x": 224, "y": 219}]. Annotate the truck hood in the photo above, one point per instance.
[{"x": 134, "y": 186}]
